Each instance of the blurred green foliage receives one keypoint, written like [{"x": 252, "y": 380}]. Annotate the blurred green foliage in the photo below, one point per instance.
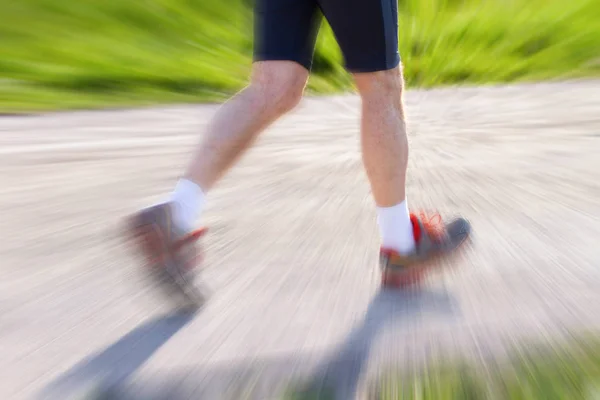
[
  {"x": 543, "y": 372},
  {"x": 87, "y": 53},
  {"x": 560, "y": 372}
]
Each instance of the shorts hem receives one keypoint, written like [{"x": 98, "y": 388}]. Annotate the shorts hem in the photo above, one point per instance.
[
  {"x": 368, "y": 68},
  {"x": 258, "y": 58}
]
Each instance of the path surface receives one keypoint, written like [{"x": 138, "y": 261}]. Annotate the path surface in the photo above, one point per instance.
[{"x": 293, "y": 245}]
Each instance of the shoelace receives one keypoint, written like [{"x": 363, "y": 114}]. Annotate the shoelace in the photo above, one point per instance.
[
  {"x": 188, "y": 239},
  {"x": 433, "y": 225}
]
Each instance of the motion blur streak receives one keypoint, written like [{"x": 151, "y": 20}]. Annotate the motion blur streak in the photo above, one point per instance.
[
  {"x": 295, "y": 309},
  {"x": 292, "y": 254},
  {"x": 116, "y": 52}
]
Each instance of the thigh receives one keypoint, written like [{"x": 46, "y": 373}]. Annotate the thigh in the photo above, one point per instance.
[
  {"x": 286, "y": 30},
  {"x": 367, "y": 32}
]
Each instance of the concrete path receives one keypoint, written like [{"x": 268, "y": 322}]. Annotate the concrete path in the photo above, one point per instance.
[{"x": 293, "y": 244}]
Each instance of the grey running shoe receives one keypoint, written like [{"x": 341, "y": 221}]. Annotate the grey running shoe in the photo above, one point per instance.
[
  {"x": 434, "y": 240},
  {"x": 171, "y": 252}
]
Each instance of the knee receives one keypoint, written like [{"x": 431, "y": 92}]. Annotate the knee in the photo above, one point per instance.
[
  {"x": 381, "y": 86},
  {"x": 278, "y": 87}
]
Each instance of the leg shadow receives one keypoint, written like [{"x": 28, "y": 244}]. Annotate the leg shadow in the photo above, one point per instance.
[
  {"x": 113, "y": 365},
  {"x": 338, "y": 377}
]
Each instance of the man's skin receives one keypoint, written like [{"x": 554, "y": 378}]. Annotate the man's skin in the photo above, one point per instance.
[
  {"x": 367, "y": 32},
  {"x": 275, "y": 88}
]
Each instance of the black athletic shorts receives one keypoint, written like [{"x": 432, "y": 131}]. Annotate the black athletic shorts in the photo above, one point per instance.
[{"x": 366, "y": 31}]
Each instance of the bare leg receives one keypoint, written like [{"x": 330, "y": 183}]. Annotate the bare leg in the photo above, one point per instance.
[
  {"x": 164, "y": 232},
  {"x": 383, "y": 135},
  {"x": 276, "y": 87},
  {"x": 385, "y": 154}
]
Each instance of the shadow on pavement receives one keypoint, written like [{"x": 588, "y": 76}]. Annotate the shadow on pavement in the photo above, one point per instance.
[
  {"x": 113, "y": 365},
  {"x": 336, "y": 375}
]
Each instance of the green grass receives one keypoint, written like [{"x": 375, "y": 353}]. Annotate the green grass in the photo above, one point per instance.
[
  {"x": 546, "y": 373},
  {"x": 63, "y": 54},
  {"x": 562, "y": 372}
]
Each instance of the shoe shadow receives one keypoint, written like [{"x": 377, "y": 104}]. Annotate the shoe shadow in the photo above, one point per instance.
[
  {"x": 339, "y": 375},
  {"x": 113, "y": 365}
]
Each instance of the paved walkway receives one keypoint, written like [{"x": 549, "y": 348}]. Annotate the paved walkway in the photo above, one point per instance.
[{"x": 293, "y": 246}]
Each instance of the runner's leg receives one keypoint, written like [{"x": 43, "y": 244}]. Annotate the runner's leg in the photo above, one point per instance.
[
  {"x": 367, "y": 32},
  {"x": 285, "y": 35}
]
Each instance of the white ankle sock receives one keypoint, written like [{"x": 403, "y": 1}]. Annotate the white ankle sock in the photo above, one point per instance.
[
  {"x": 396, "y": 228},
  {"x": 188, "y": 199}
]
